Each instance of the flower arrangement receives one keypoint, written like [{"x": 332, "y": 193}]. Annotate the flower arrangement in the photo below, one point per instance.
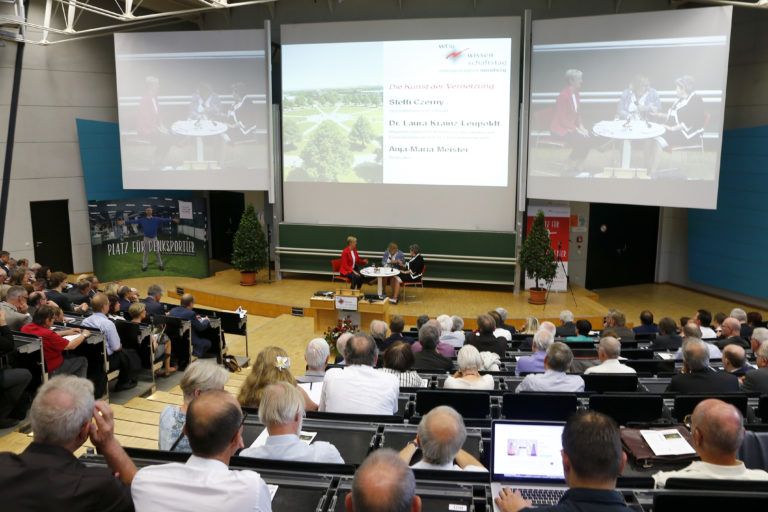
[{"x": 332, "y": 333}]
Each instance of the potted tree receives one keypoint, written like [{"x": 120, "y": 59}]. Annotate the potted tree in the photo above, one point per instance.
[
  {"x": 249, "y": 248},
  {"x": 538, "y": 259}
]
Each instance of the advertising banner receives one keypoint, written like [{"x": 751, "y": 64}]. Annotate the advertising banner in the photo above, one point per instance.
[{"x": 558, "y": 221}]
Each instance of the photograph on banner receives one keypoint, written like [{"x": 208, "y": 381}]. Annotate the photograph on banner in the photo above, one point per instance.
[
  {"x": 558, "y": 222},
  {"x": 145, "y": 237}
]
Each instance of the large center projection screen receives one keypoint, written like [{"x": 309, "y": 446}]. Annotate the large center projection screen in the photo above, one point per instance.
[
  {"x": 409, "y": 123},
  {"x": 194, "y": 110},
  {"x": 642, "y": 122}
]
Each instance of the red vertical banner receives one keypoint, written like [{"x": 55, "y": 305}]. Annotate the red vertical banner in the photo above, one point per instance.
[{"x": 558, "y": 221}]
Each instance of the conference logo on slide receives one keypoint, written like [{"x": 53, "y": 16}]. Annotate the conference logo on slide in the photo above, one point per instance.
[{"x": 455, "y": 55}]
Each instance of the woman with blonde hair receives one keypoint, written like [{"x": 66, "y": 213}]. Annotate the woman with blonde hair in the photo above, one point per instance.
[
  {"x": 530, "y": 327},
  {"x": 272, "y": 365},
  {"x": 468, "y": 376}
]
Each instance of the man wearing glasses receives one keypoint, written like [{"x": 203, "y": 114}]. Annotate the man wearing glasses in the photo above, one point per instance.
[{"x": 15, "y": 307}]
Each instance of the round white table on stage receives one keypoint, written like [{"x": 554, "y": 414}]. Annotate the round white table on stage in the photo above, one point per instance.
[
  {"x": 380, "y": 273},
  {"x": 628, "y": 131},
  {"x": 198, "y": 129}
]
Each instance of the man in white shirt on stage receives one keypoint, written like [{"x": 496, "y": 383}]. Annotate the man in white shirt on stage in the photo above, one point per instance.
[
  {"x": 215, "y": 430},
  {"x": 608, "y": 351},
  {"x": 282, "y": 410},
  {"x": 359, "y": 388}
]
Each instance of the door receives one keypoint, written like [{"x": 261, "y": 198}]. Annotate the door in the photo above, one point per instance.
[
  {"x": 226, "y": 210},
  {"x": 50, "y": 233},
  {"x": 622, "y": 245}
]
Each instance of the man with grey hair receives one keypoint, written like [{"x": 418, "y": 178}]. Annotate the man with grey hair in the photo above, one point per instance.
[
  {"x": 731, "y": 334},
  {"x": 759, "y": 336},
  {"x": 341, "y": 346},
  {"x": 451, "y": 330},
  {"x": 15, "y": 307},
  {"x": 426, "y": 352},
  {"x": 379, "y": 333},
  {"x": 608, "y": 351},
  {"x": 535, "y": 363},
  {"x": 483, "y": 339},
  {"x": 557, "y": 361},
  {"x": 316, "y": 355},
  {"x": 691, "y": 330},
  {"x": 443, "y": 349},
  {"x": 504, "y": 325},
  {"x": 47, "y": 475},
  {"x": 616, "y": 321},
  {"x": 697, "y": 376},
  {"x": 281, "y": 410},
  {"x": 745, "y": 330},
  {"x": 735, "y": 360},
  {"x": 359, "y": 388},
  {"x": 567, "y": 326},
  {"x": 441, "y": 435},
  {"x": 383, "y": 483},
  {"x": 757, "y": 381},
  {"x": 152, "y": 302}
]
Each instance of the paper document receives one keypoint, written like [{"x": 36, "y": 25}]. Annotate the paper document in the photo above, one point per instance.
[
  {"x": 307, "y": 437},
  {"x": 70, "y": 337},
  {"x": 667, "y": 442},
  {"x": 666, "y": 355},
  {"x": 313, "y": 389},
  {"x": 272, "y": 490}
]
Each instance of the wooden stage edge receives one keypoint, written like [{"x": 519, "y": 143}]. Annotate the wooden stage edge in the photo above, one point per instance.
[{"x": 292, "y": 297}]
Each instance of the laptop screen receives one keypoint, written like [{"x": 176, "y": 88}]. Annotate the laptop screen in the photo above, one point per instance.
[{"x": 527, "y": 451}]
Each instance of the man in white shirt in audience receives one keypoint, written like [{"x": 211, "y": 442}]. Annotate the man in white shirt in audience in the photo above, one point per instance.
[
  {"x": 359, "y": 388},
  {"x": 282, "y": 410},
  {"x": 557, "y": 361},
  {"x": 717, "y": 429},
  {"x": 608, "y": 351},
  {"x": 316, "y": 355},
  {"x": 215, "y": 430},
  {"x": 117, "y": 358},
  {"x": 383, "y": 483},
  {"x": 441, "y": 436}
]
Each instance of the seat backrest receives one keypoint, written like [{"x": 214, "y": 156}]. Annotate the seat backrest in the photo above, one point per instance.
[
  {"x": 754, "y": 450},
  {"x": 696, "y": 500},
  {"x": 470, "y": 404},
  {"x": 336, "y": 264},
  {"x": 539, "y": 406},
  {"x": 685, "y": 404},
  {"x": 711, "y": 484},
  {"x": 762, "y": 408},
  {"x": 623, "y": 408},
  {"x": 652, "y": 366},
  {"x": 602, "y": 382},
  {"x": 637, "y": 353}
]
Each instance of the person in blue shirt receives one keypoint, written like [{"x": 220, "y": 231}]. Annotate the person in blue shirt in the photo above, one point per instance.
[
  {"x": 149, "y": 225},
  {"x": 646, "y": 324}
]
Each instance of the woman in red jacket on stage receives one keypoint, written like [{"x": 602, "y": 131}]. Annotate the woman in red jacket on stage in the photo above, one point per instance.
[{"x": 349, "y": 263}]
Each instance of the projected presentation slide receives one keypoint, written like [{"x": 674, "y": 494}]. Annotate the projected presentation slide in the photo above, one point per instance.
[
  {"x": 626, "y": 106},
  {"x": 193, "y": 110},
  {"x": 528, "y": 451},
  {"x": 407, "y": 112}
]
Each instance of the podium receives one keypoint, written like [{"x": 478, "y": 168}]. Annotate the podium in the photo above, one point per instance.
[{"x": 327, "y": 314}]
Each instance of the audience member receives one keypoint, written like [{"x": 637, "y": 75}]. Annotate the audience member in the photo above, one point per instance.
[
  {"x": 398, "y": 361},
  {"x": 152, "y": 302},
  {"x": 341, "y": 344},
  {"x": 583, "y": 328},
  {"x": 316, "y": 355},
  {"x": 691, "y": 330},
  {"x": 55, "y": 293},
  {"x": 428, "y": 358},
  {"x": 282, "y": 411},
  {"x": 444, "y": 349},
  {"x": 703, "y": 318},
  {"x": 383, "y": 483},
  {"x": 567, "y": 327},
  {"x": 557, "y": 361},
  {"x": 396, "y": 326},
  {"x": 731, "y": 333},
  {"x": 441, "y": 435},
  {"x": 13, "y": 381},
  {"x": 47, "y": 475},
  {"x": 616, "y": 322},
  {"x": 185, "y": 311},
  {"x": 717, "y": 429},
  {"x": 54, "y": 344},
  {"x": 754, "y": 319},
  {"x": 592, "y": 461},
  {"x": 499, "y": 332},
  {"x": 717, "y": 320},
  {"x": 483, "y": 339},
  {"x": 15, "y": 308},
  {"x": 530, "y": 327},
  {"x": 452, "y": 331},
  {"x": 668, "y": 338},
  {"x": 757, "y": 381},
  {"x": 421, "y": 320},
  {"x": 758, "y": 337},
  {"x": 199, "y": 377},
  {"x": 94, "y": 281},
  {"x": 272, "y": 365},
  {"x": 740, "y": 315},
  {"x": 125, "y": 297},
  {"x": 468, "y": 376},
  {"x": 359, "y": 388},
  {"x": 646, "y": 324},
  {"x": 608, "y": 352},
  {"x": 214, "y": 427},
  {"x": 697, "y": 376},
  {"x": 161, "y": 344},
  {"x": 379, "y": 334},
  {"x": 735, "y": 360},
  {"x": 503, "y": 314},
  {"x": 79, "y": 293},
  {"x": 535, "y": 363}
]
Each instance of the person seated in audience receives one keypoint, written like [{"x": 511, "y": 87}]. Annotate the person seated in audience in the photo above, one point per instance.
[
  {"x": 428, "y": 358},
  {"x": 443, "y": 349},
  {"x": 703, "y": 318},
  {"x": 54, "y": 344},
  {"x": 717, "y": 429},
  {"x": 214, "y": 427},
  {"x": 441, "y": 436},
  {"x": 15, "y": 308},
  {"x": 94, "y": 285},
  {"x": 616, "y": 322},
  {"x": 56, "y": 284},
  {"x": 13, "y": 381},
  {"x": 160, "y": 345},
  {"x": 668, "y": 339},
  {"x": 19, "y": 277},
  {"x": 731, "y": 334},
  {"x": 396, "y": 326},
  {"x": 383, "y": 483},
  {"x": 316, "y": 355},
  {"x": 717, "y": 322},
  {"x": 697, "y": 376},
  {"x": 691, "y": 330},
  {"x": 111, "y": 288},
  {"x": 567, "y": 326},
  {"x": 126, "y": 297},
  {"x": 530, "y": 327},
  {"x": 646, "y": 324},
  {"x": 535, "y": 363},
  {"x": 608, "y": 351},
  {"x": 411, "y": 273},
  {"x": 499, "y": 332},
  {"x": 483, "y": 339},
  {"x": 451, "y": 330},
  {"x": 359, "y": 388},
  {"x": 758, "y": 337},
  {"x": 379, "y": 334},
  {"x": 583, "y": 327},
  {"x": 117, "y": 357},
  {"x": 47, "y": 475},
  {"x": 272, "y": 365},
  {"x": 398, "y": 361},
  {"x": 592, "y": 461},
  {"x": 114, "y": 308},
  {"x": 754, "y": 319},
  {"x": 341, "y": 344},
  {"x": 503, "y": 314},
  {"x": 735, "y": 360},
  {"x": 740, "y": 315},
  {"x": 185, "y": 311},
  {"x": 468, "y": 376},
  {"x": 79, "y": 293},
  {"x": 282, "y": 411},
  {"x": 557, "y": 361},
  {"x": 43, "y": 273},
  {"x": 5, "y": 257},
  {"x": 757, "y": 381},
  {"x": 199, "y": 377},
  {"x": 152, "y": 301}
]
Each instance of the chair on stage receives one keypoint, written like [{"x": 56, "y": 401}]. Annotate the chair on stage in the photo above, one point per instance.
[
  {"x": 336, "y": 269},
  {"x": 419, "y": 283}
]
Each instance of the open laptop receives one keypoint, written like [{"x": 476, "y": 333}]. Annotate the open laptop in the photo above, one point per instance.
[{"x": 525, "y": 456}]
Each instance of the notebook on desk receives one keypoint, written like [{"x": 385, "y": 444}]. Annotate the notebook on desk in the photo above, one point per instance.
[{"x": 525, "y": 456}]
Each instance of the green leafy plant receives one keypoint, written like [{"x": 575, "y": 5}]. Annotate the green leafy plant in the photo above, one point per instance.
[
  {"x": 536, "y": 255},
  {"x": 249, "y": 248}
]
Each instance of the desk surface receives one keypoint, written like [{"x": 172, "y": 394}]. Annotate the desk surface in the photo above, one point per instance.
[
  {"x": 628, "y": 130},
  {"x": 379, "y": 271},
  {"x": 200, "y": 128}
]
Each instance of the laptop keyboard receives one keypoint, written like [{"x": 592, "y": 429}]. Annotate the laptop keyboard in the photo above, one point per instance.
[{"x": 543, "y": 496}]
